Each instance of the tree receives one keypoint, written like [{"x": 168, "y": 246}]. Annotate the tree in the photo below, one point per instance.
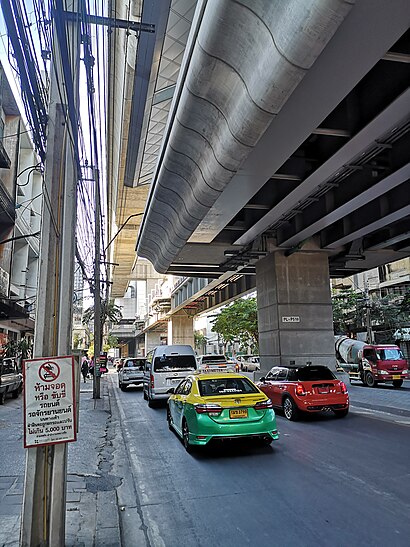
[
  {"x": 18, "y": 348},
  {"x": 108, "y": 311},
  {"x": 348, "y": 312},
  {"x": 200, "y": 340},
  {"x": 239, "y": 322},
  {"x": 352, "y": 311}
]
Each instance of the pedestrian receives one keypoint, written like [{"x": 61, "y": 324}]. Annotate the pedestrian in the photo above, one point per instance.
[{"x": 85, "y": 369}]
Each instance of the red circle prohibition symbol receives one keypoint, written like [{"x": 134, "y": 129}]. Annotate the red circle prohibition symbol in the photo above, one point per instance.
[{"x": 49, "y": 371}]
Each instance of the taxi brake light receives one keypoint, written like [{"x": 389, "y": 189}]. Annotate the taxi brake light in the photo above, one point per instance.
[
  {"x": 208, "y": 409},
  {"x": 263, "y": 405}
]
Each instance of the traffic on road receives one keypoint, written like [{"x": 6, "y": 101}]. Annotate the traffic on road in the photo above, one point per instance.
[{"x": 312, "y": 486}]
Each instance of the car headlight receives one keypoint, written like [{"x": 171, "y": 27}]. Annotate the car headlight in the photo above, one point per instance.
[
  {"x": 405, "y": 371},
  {"x": 382, "y": 372}
]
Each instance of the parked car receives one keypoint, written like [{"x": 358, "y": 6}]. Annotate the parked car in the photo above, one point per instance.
[
  {"x": 215, "y": 363},
  {"x": 310, "y": 388},
  {"x": 207, "y": 406},
  {"x": 11, "y": 380},
  {"x": 131, "y": 373},
  {"x": 249, "y": 363},
  {"x": 165, "y": 367}
]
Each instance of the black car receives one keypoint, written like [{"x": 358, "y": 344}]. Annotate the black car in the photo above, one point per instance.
[{"x": 11, "y": 381}]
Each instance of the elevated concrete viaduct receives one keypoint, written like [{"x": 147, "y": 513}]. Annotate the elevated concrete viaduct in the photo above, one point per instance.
[{"x": 282, "y": 161}]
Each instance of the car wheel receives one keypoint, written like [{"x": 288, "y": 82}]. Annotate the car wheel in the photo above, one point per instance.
[
  {"x": 144, "y": 394},
  {"x": 16, "y": 393},
  {"x": 169, "y": 417},
  {"x": 290, "y": 410},
  {"x": 370, "y": 381},
  {"x": 122, "y": 387},
  {"x": 185, "y": 437},
  {"x": 151, "y": 402},
  {"x": 397, "y": 383},
  {"x": 341, "y": 413},
  {"x": 2, "y": 398}
]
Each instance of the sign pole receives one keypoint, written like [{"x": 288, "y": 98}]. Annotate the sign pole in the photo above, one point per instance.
[{"x": 43, "y": 519}]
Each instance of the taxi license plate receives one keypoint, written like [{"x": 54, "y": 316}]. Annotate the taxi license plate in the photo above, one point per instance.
[
  {"x": 238, "y": 413},
  {"x": 396, "y": 377}
]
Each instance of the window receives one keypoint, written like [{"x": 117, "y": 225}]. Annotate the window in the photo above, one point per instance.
[
  {"x": 313, "y": 374},
  {"x": 272, "y": 374},
  {"x": 173, "y": 363},
  {"x": 8, "y": 367},
  {"x": 137, "y": 363},
  {"x": 226, "y": 386},
  {"x": 388, "y": 354},
  {"x": 282, "y": 375},
  {"x": 180, "y": 388},
  {"x": 187, "y": 388}
]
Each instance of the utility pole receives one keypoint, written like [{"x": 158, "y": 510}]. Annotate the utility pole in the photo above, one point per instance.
[
  {"x": 97, "y": 288},
  {"x": 369, "y": 330},
  {"x": 43, "y": 519}
]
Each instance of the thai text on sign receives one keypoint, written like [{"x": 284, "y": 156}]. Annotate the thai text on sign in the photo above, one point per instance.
[{"x": 49, "y": 401}]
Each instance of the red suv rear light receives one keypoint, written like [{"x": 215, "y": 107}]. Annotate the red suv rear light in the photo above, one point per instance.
[
  {"x": 300, "y": 390},
  {"x": 152, "y": 380},
  {"x": 208, "y": 409},
  {"x": 263, "y": 405},
  {"x": 343, "y": 387}
]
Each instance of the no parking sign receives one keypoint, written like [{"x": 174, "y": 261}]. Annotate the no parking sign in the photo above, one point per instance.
[{"x": 49, "y": 401}]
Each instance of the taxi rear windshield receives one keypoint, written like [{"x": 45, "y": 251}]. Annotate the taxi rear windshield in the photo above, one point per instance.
[
  {"x": 174, "y": 363},
  {"x": 225, "y": 386}
]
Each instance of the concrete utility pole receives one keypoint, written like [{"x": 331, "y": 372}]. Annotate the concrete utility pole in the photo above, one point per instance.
[{"x": 43, "y": 522}]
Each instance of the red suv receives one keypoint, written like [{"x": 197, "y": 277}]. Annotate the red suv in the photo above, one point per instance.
[{"x": 311, "y": 388}]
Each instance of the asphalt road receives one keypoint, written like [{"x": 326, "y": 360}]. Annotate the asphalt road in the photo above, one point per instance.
[{"x": 325, "y": 482}]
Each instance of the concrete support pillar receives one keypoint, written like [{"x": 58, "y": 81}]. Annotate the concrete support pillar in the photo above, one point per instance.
[
  {"x": 294, "y": 310},
  {"x": 181, "y": 330},
  {"x": 152, "y": 340}
]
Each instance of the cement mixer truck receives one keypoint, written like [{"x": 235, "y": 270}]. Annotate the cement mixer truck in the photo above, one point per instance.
[{"x": 371, "y": 363}]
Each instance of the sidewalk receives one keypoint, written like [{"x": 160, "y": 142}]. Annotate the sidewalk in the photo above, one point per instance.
[{"x": 92, "y": 517}]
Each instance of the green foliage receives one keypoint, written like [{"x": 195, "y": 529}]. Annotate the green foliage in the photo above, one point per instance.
[
  {"x": 351, "y": 311},
  {"x": 109, "y": 311},
  {"x": 112, "y": 342},
  {"x": 239, "y": 322},
  {"x": 18, "y": 348},
  {"x": 76, "y": 340},
  {"x": 200, "y": 340}
]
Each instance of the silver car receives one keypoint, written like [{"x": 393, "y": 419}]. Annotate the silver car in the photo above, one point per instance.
[
  {"x": 249, "y": 363},
  {"x": 131, "y": 373}
]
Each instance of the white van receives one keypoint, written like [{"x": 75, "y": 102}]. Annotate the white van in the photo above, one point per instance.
[{"x": 165, "y": 367}]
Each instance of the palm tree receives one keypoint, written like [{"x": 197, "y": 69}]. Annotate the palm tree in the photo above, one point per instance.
[{"x": 108, "y": 311}]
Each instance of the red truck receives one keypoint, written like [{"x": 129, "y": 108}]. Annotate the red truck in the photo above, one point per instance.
[{"x": 371, "y": 363}]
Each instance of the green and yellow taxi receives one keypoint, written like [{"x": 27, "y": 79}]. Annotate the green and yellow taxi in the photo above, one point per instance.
[{"x": 207, "y": 406}]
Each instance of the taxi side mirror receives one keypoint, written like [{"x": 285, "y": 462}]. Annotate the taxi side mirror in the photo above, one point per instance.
[
  {"x": 263, "y": 379},
  {"x": 171, "y": 390}
]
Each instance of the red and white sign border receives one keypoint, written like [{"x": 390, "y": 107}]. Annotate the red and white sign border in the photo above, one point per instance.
[{"x": 74, "y": 400}]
